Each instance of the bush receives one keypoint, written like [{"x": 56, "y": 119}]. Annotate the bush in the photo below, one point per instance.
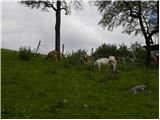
[
  {"x": 138, "y": 51},
  {"x": 25, "y": 53},
  {"x": 123, "y": 51},
  {"x": 75, "y": 57}
]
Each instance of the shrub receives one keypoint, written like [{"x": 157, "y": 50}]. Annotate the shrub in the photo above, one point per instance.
[
  {"x": 75, "y": 57},
  {"x": 138, "y": 51},
  {"x": 25, "y": 53},
  {"x": 123, "y": 51}
]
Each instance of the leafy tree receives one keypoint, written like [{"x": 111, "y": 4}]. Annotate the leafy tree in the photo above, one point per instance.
[
  {"x": 137, "y": 51},
  {"x": 134, "y": 16},
  {"x": 105, "y": 50},
  {"x": 124, "y": 51},
  {"x": 57, "y": 6}
]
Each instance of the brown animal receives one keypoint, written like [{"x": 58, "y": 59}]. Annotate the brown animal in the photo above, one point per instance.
[
  {"x": 87, "y": 58},
  {"x": 53, "y": 55}
]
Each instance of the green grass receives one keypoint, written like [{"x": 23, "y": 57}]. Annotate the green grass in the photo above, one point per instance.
[{"x": 41, "y": 88}]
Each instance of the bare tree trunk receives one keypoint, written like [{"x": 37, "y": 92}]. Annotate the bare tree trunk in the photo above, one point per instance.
[
  {"x": 158, "y": 15},
  {"x": 147, "y": 38},
  {"x": 57, "y": 28},
  {"x": 148, "y": 48},
  {"x": 147, "y": 41}
]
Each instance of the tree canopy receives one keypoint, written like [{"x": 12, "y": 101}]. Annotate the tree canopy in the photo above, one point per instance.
[
  {"x": 138, "y": 17},
  {"x": 45, "y": 5},
  {"x": 126, "y": 13}
]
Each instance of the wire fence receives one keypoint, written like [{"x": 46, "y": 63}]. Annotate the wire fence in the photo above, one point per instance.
[{"x": 44, "y": 48}]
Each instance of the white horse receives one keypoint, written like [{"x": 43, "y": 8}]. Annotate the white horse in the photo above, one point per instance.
[
  {"x": 113, "y": 63},
  {"x": 100, "y": 62}
]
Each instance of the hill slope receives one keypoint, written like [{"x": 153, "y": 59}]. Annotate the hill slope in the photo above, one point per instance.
[{"x": 43, "y": 89}]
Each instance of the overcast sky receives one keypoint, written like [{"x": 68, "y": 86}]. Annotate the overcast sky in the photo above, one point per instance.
[{"x": 22, "y": 26}]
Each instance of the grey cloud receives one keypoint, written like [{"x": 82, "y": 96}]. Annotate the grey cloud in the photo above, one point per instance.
[{"x": 23, "y": 26}]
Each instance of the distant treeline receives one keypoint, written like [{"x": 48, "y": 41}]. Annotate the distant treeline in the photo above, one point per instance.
[{"x": 135, "y": 51}]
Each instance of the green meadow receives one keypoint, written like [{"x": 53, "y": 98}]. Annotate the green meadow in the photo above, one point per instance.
[{"x": 41, "y": 88}]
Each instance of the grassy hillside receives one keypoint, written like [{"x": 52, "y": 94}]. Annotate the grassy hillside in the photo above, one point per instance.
[{"x": 44, "y": 89}]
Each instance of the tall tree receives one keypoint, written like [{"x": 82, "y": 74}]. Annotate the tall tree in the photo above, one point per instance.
[
  {"x": 140, "y": 17},
  {"x": 57, "y": 6}
]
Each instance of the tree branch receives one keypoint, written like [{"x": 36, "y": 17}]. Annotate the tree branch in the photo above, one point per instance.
[
  {"x": 37, "y": 4},
  {"x": 65, "y": 9},
  {"x": 154, "y": 31},
  {"x": 48, "y": 4},
  {"x": 151, "y": 40},
  {"x": 131, "y": 10}
]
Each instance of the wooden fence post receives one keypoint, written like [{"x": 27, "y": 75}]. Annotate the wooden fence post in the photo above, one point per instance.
[
  {"x": 92, "y": 52},
  {"x": 38, "y": 46},
  {"x": 62, "y": 49}
]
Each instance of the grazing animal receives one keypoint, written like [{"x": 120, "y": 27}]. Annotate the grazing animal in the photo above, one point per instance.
[
  {"x": 113, "y": 63},
  {"x": 53, "y": 55},
  {"x": 100, "y": 62},
  {"x": 84, "y": 58},
  {"x": 81, "y": 59},
  {"x": 88, "y": 58}
]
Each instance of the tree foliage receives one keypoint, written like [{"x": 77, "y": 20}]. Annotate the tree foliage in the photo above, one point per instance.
[
  {"x": 135, "y": 51},
  {"x": 124, "y": 51},
  {"x": 126, "y": 13},
  {"x": 45, "y": 5},
  {"x": 138, "y": 17},
  {"x": 105, "y": 50}
]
